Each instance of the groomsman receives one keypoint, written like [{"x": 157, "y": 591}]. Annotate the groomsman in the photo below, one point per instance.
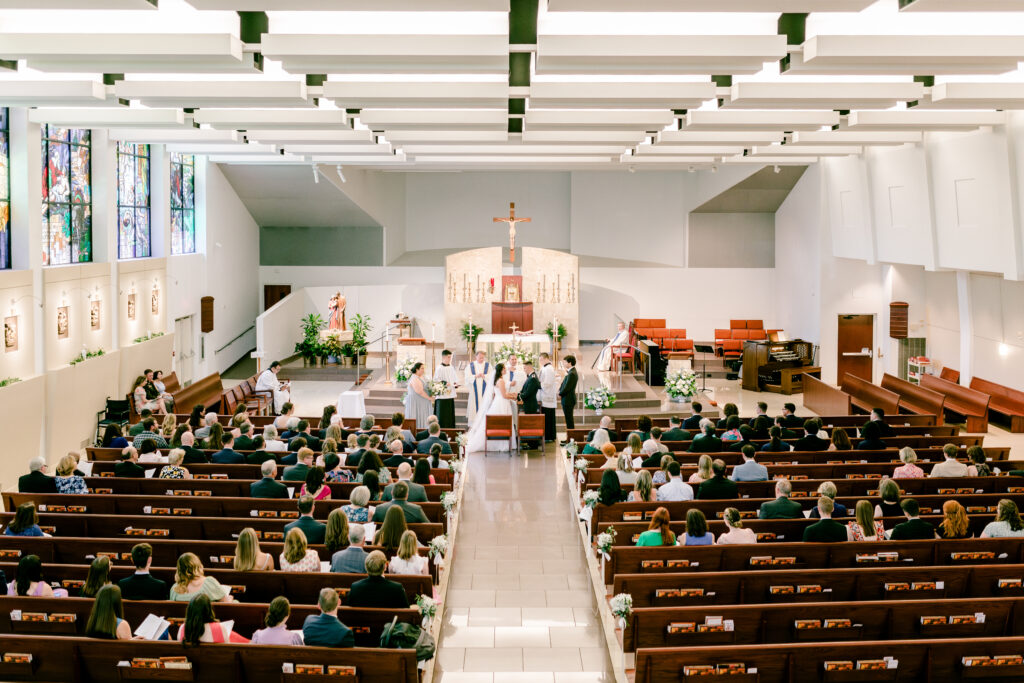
[
  {"x": 444, "y": 405},
  {"x": 567, "y": 392},
  {"x": 548, "y": 395}
]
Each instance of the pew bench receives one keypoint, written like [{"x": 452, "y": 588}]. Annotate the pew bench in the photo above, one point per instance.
[
  {"x": 866, "y": 396},
  {"x": 1005, "y": 401},
  {"x": 914, "y": 398},
  {"x": 238, "y": 488},
  {"x": 968, "y": 403},
  {"x": 206, "y": 391}
]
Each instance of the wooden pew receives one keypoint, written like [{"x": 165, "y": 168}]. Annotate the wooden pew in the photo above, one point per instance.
[
  {"x": 207, "y": 391},
  {"x": 624, "y": 425},
  {"x": 892, "y": 619},
  {"x": 580, "y": 435},
  {"x": 56, "y": 658},
  {"x": 866, "y": 396},
  {"x": 825, "y": 399},
  {"x": 919, "y": 660},
  {"x": 367, "y": 623},
  {"x": 970, "y": 403},
  {"x": 1005, "y": 401},
  {"x": 914, "y": 399},
  {"x": 300, "y": 587},
  {"x": 238, "y": 488}
]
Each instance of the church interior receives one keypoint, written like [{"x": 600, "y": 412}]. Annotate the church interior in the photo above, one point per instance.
[{"x": 640, "y": 271}]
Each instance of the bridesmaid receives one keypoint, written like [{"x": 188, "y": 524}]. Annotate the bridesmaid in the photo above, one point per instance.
[{"x": 418, "y": 404}]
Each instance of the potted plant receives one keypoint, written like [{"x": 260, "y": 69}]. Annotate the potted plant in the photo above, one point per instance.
[
  {"x": 470, "y": 332},
  {"x": 308, "y": 348},
  {"x": 360, "y": 327},
  {"x": 348, "y": 353},
  {"x": 550, "y": 330},
  {"x": 332, "y": 347}
]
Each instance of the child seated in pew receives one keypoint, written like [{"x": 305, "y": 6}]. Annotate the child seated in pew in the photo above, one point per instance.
[
  {"x": 202, "y": 626},
  {"x": 408, "y": 560},
  {"x": 106, "y": 620},
  {"x": 25, "y": 522}
]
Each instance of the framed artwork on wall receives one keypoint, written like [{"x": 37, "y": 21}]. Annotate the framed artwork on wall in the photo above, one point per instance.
[
  {"x": 10, "y": 334},
  {"x": 63, "y": 323},
  {"x": 131, "y": 306},
  {"x": 154, "y": 302},
  {"x": 95, "y": 319}
]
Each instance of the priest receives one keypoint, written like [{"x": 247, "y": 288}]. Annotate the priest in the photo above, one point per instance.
[
  {"x": 279, "y": 390},
  {"x": 621, "y": 338},
  {"x": 444, "y": 405},
  {"x": 478, "y": 379}
]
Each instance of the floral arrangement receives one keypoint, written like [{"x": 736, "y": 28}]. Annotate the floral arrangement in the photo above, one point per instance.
[
  {"x": 581, "y": 464},
  {"x": 462, "y": 440},
  {"x": 85, "y": 355},
  {"x": 590, "y": 498},
  {"x": 571, "y": 449},
  {"x": 681, "y": 383},
  {"x": 605, "y": 541},
  {"x": 448, "y": 501},
  {"x": 403, "y": 371},
  {"x": 428, "y": 606},
  {"x": 9, "y": 380},
  {"x": 622, "y": 605},
  {"x": 330, "y": 343},
  {"x": 455, "y": 465},
  {"x": 147, "y": 337},
  {"x": 438, "y": 546},
  {"x": 599, "y": 398},
  {"x": 514, "y": 348},
  {"x": 437, "y": 387}
]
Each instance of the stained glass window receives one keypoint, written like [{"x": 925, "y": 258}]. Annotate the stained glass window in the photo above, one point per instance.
[
  {"x": 67, "y": 195},
  {"x": 5, "y": 192},
  {"x": 133, "y": 227},
  {"x": 183, "y": 204}
]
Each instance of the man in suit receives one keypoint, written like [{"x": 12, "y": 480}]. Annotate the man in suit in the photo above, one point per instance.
[
  {"x": 827, "y": 530},
  {"x": 549, "y": 395},
  {"x": 828, "y": 490},
  {"x": 914, "y": 528},
  {"x": 267, "y": 487},
  {"x": 718, "y": 487},
  {"x": 397, "y": 457},
  {"x": 142, "y": 585},
  {"x": 425, "y": 433},
  {"x": 789, "y": 413},
  {"x": 693, "y": 422},
  {"x": 750, "y": 470},
  {"x": 787, "y": 433},
  {"x": 567, "y": 392},
  {"x": 531, "y": 388},
  {"x": 434, "y": 436},
  {"x": 606, "y": 425},
  {"x": 782, "y": 507},
  {"x": 950, "y": 466},
  {"x": 652, "y": 454},
  {"x": 313, "y": 529},
  {"x": 244, "y": 442},
  {"x": 399, "y": 498},
  {"x": 375, "y": 590},
  {"x": 675, "y": 489},
  {"x": 675, "y": 430},
  {"x": 707, "y": 441},
  {"x": 292, "y": 458},
  {"x": 325, "y": 629},
  {"x": 36, "y": 481},
  {"x": 810, "y": 440},
  {"x": 193, "y": 455},
  {"x": 227, "y": 455},
  {"x": 417, "y": 494},
  {"x": 351, "y": 560},
  {"x": 129, "y": 465},
  {"x": 762, "y": 411},
  {"x": 884, "y": 428},
  {"x": 302, "y": 432},
  {"x": 353, "y": 458},
  {"x": 299, "y": 471}
]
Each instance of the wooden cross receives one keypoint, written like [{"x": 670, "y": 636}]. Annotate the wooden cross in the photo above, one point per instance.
[{"x": 512, "y": 220}]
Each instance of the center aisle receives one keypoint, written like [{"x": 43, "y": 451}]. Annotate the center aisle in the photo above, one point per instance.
[{"x": 519, "y": 598}]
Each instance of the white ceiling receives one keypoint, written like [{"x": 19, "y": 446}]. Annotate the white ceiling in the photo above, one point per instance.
[{"x": 459, "y": 84}]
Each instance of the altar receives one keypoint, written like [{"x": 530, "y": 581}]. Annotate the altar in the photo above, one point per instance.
[{"x": 535, "y": 343}]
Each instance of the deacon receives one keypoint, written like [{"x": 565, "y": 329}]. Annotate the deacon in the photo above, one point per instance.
[
  {"x": 444, "y": 405},
  {"x": 478, "y": 379},
  {"x": 548, "y": 395},
  {"x": 268, "y": 382},
  {"x": 621, "y": 338}
]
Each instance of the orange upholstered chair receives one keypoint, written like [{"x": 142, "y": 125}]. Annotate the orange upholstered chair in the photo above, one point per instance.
[
  {"x": 755, "y": 324},
  {"x": 732, "y": 348},
  {"x": 720, "y": 336},
  {"x": 532, "y": 427},
  {"x": 683, "y": 346},
  {"x": 756, "y": 335},
  {"x": 497, "y": 428},
  {"x": 677, "y": 333},
  {"x": 738, "y": 324},
  {"x": 741, "y": 334}
]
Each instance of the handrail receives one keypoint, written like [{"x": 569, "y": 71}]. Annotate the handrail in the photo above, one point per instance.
[{"x": 251, "y": 327}]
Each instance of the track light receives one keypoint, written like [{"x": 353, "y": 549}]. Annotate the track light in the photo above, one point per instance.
[
  {"x": 340, "y": 174},
  {"x": 777, "y": 169},
  {"x": 632, "y": 169},
  {"x": 316, "y": 174}
]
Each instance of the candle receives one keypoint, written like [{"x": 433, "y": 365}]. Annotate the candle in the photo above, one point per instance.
[{"x": 433, "y": 332}]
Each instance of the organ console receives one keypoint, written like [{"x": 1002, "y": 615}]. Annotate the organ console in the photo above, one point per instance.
[{"x": 777, "y": 366}]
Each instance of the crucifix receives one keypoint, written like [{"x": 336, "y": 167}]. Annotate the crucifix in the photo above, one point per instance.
[
  {"x": 512, "y": 220},
  {"x": 514, "y": 327}
]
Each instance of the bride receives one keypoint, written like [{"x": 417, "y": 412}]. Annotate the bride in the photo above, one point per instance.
[{"x": 497, "y": 401}]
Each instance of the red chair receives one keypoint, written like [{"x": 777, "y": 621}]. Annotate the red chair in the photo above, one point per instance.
[
  {"x": 732, "y": 349},
  {"x": 721, "y": 336},
  {"x": 756, "y": 335},
  {"x": 622, "y": 354},
  {"x": 755, "y": 324},
  {"x": 738, "y": 324},
  {"x": 532, "y": 427},
  {"x": 498, "y": 428},
  {"x": 684, "y": 346},
  {"x": 741, "y": 334}
]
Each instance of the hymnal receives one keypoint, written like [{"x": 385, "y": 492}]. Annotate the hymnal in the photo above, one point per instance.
[
  {"x": 273, "y": 535},
  {"x": 160, "y": 511},
  {"x": 289, "y": 514},
  {"x": 1009, "y": 583},
  {"x": 651, "y": 564},
  {"x": 181, "y": 492},
  {"x": 181, "y": 511},
  {"x": 1008, "y": 660},
  {"x": 780, "y": 590},
  {"x": 933, "y": 621},
  {"x": 340, "y": 670},
  {"x": 872, "y": 664},
  {"x": 947, "y": 492},
  {"x": 897, "y": 586},
  {"x": 980, "y": 660},
  {"x": 62, "y": 618},
  {"x": 760, "y": 560},
  {"x": 10, "y": 554},
  {"x": 840, "y": 665},
  {"x": 266, "y": 513},
  {"x": 732, "y": 668},
  {"x": 632, "y": 516},
  {"x": 33, "y": 616},
  {"x": 17, "y": 658},
  {"x": 678, "y": 564},
  {"x": 923, "y": 585},
  {"x": 784, "y": 560},
  {"x": 682, "y": 627},
  {"x": 202, "y": 493},
  {"x": 175, "y": 663},
  {"x": 955, "y": 619},
  {"x": 803, "y": 624},
  {"x": 152, "y": 627},
  {"x": 145, "y": 663},
  {"x": 838, "y": 623},
  {"x": 699, "y": 670},
  {"x": 808, "y": 588},
  {"x": 309, "y": 668}
]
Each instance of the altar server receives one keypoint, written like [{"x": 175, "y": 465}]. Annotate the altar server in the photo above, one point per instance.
[{"x": 444, "y": 406}]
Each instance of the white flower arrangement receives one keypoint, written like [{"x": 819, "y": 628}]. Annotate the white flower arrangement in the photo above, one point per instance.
[
  {"x": 621, "y": 605},
  {"x": 438, "y": 546},
  {"x": 462, "y": 439},
  {"x": 448, "y": 501},
  {"x": 581, "y": 464},
  {"x": 428, "y": 606},
  {"x": 437, "y": 387},
  {"x": 599, "y": 398},
  {"x": 515, "y": 348},
  {"x": 605, "y": 540},
  {"x": 403, "y": 371},
  {"x": 571, "y": 449},
  {"x": 590, "y": 498},
  {"x": 681, "y": 383},
  {"x": 455, "y": 465}
]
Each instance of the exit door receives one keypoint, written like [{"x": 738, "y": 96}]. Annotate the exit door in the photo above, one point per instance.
[{"x": 856, "y": 339}]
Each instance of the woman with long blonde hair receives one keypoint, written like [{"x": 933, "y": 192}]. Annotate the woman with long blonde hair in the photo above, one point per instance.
[
  {"x": 168, "y": 426},
  {"x": 190, "y": 580},
  {"x": 408, "y": 560},
  {"x": 297, "y": 556},
  {"x": 643, "y": 489},
  {"x": 336, "y": 534},
  {"x": 248, "y": 556},
  {"x": 703, "y": 472}
]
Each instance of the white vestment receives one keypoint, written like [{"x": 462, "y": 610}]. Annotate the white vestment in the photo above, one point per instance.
[
  {"x": 446, "y": 373},
  {"x": 604, "y": 361},
  {"x": 548, "y": 386},
  {"x": 493, "y": 403},
  {"x": 268, "y": 382},
  {"x": 478, "y": 386}
]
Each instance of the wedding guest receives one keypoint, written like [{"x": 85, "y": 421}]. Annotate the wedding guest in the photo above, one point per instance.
[
  {"x": 658, "y": 532},
  {"x": 872, "y": 438},
  {"x": 605, "y": 424},
  {"x": 624, "y": 470},
  {"x": 644, "y": 424},
  {"x": 25, "y": 522},
  {"x": 142, "y": 585},
  {"x": 634, "y": 445},
  {"x": 267, "y": 487},
  {"x": 336, "y": 534},
  {"x": 728, "y": 410},
  {"x": 732, "y": 429},
  {"x": 190, "y": 581},
  {"x": 782, "y": 507},
  {"x": 610, "y": 491},
  {"x": 693, "y": 422},
  {"x": 954, "y": 522},
  {"x": 827, "y": 488},
  {"x": 390, "y": 533},
  {"x": 106, "y": 619},
  {"x": 914, "y": 528},
  {"x": 66, "y": 480},
  {"x": 97, "y": 577},
  {"x": 325, "y": 629},
  {"x": 703, "y": 472},
  {"x": 864, "y": 522},
  {"x": 950, "y": 466},
  {"x": 113, "y": 438},
  {"x": 675, "y": 489},
  {"x": 173, "y": 468},
  {"x": 1007, "y": 523},
  {"x": 750, "y": 469},
  {"x": 889, "y": 506},
  {"x": 371, "y": 480},
  {"x": 675, "y": 430},
  {"x": 36, "y": 481},
  {"x": 356, "y": 511},
  {"x": 248, "y": 556},
  {"x": 408, "y": 560},
  {"x": 375, "y": 590},
  {"x": 810, "y": 441},
  {"x": 421, "y": 473},
  {"x": 661, "y": 476},
  {"x": 28, "y": 579},
  {"x": 611, "y": 459},
  {"x": 297, "y": 556},
  {"x": 840, "y": 440},
  {"x": 718, "y": 487},
  {"x": 697, "y": 529},
  {"x": 168, "y": 426},
  {"x": 908, "y": 470},
  {"x": 202, "y": 626},
  {"x": 315, "y": 486},
  {"x": 594, "y": 446},
  {"x": 737, "y": 534},
  {"x": 706, "y": 442},
  {"x": 352, "y": 559},
  {"x": 775, "y": 443},
  {"x": 978, "y": 467},
  {"x": 312, "y": 530},
  {"x": 276, "y": 625},
  {"x": 142, "y": 402},
  {"x": 826, "y": 530}
]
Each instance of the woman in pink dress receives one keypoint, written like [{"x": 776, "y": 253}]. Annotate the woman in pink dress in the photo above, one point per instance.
[{"x": 908, "y": 470}]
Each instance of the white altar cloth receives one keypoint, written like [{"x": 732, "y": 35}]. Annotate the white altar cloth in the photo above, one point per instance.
[{"x": 489, "y": 343}]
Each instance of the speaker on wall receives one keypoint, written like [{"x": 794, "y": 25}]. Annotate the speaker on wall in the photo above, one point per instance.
[
  {"x": 206, "y": 314},
  {"x": 899, "y": 319}
]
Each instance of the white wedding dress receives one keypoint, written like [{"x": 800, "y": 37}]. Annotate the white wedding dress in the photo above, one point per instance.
[{"x": 493, "y": 403}]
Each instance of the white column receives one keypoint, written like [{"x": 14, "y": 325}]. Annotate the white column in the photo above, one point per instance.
[
  {"x": 105, "y": 235},
  {"x": 963, "y": 297},
  {"x": 26, "y": 220}
]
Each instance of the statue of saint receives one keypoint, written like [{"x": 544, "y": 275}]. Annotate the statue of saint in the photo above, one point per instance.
[{"x": 336, "y": 320}]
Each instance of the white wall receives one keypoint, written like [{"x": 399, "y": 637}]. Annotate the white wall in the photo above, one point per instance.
[{"x": 799, "y": 226}]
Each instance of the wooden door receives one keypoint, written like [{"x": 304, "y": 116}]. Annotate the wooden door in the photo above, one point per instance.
[
  {"x": 274, "y": 293},
  {"x": 856, "y": 340}
]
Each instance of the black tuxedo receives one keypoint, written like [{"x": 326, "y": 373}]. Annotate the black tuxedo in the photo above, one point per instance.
[
  {"x": 259, "y": 457},
  {"x": 353, "y": 458},
  {"x": 243, "y": 443},
  {"x": 529, "y": 395},
  {"x": 127, "y": 468},
  {"x": 396, "y": 460},
  {"x": 142, "y": 587},
  {"x": 567, "y": 392},
  {"x": 612, "y": 435},
  {"x": 36, "y": 482}
]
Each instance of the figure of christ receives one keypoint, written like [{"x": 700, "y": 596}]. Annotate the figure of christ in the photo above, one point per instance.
[{"x": 512, "y": 220}]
